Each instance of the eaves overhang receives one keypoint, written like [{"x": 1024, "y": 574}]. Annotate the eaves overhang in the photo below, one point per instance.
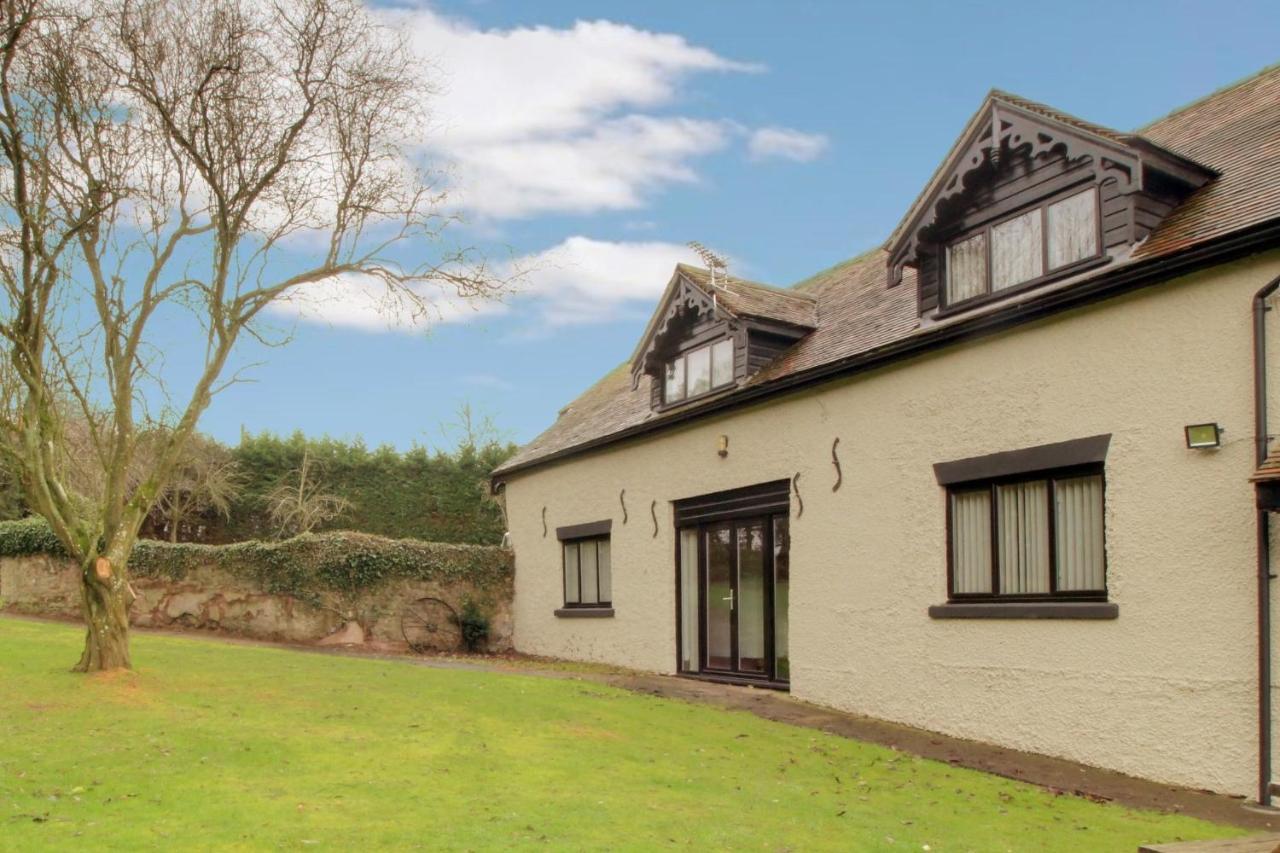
[{"x": 1135, "y": 275}]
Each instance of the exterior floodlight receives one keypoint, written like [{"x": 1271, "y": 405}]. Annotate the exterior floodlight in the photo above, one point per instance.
[{"x": 1200, "y": 436}]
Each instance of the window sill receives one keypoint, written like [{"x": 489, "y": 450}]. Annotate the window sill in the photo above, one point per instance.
[
  {"x": 1026, "y": 610},
  {"x": 585, "y": 612}
]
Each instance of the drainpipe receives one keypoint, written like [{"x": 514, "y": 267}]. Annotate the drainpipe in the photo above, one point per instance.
[{"x": 1264, "y": 543}]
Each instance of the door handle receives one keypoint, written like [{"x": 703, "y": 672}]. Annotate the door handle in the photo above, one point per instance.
[{"x": 729, "y": 598}]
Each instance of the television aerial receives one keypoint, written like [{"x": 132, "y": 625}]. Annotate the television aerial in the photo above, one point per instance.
[{"x": 714, "y": 262}]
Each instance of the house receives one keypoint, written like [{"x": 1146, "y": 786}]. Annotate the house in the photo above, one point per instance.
[{"x": 991, "y": 479}]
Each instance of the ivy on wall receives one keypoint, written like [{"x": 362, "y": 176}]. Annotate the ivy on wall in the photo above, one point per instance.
[
  {"x": 307, "y": 565},
  {"x": 436, "y": 496}
]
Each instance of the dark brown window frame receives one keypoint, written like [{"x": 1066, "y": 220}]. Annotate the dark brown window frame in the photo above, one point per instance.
[
  {"x": 990, "y": 484},
  {"x": 946, "y": 306},
  {"x": 714, "y": 389},
  {"x": 579, "y": 607}
]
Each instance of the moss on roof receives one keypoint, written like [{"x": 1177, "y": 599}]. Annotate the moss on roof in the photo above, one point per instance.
[
  {"x": 833, "y": 270},
  {"x": 1248, "y": 78}
]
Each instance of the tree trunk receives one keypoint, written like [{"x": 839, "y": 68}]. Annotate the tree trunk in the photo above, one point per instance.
[{"x": 105, "y": 599}]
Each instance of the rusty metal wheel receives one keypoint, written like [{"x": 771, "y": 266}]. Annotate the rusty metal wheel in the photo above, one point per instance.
[{"x": 430, "y": 625}]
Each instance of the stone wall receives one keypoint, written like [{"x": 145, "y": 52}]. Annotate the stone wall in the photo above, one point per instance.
[{"x": 210, "y": 598}]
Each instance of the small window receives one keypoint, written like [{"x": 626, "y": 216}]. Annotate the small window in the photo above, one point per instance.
[
  {"x": 588, "y": 576},
  {"x": 1028, "y": 538},
  {"x": 1073, "y": 230},
  {"x": 674, "y": 385},
  {"x": 722, "y": 363},
  {"x": 1023, "y": 248},
  {"x": 698, "y": 371},
  {"x": 967, "y": 268},
  {"x": 1016, "y": 253}
]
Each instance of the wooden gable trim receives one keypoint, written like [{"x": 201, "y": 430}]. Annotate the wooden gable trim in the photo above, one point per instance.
[
  {"x": 681, "y": 297},
  {"x": 1001, "y": 129},
  {"x": 1005, "y": 131}
]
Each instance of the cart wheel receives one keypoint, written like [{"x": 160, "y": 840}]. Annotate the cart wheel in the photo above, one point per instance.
[{"x": 430, "y": 625}]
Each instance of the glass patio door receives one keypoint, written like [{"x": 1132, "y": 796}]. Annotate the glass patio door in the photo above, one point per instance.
[
  {"x": 718, "y": 595},
  {"x": 733, "y": 580},
  {"x": 738, "y": 593}
]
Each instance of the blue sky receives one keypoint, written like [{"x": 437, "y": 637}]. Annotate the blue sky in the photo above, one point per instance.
[{"x": 592, "y": 140}]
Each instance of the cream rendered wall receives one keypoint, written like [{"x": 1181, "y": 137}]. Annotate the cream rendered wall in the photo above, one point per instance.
[{"x": 1166, "y": 691}]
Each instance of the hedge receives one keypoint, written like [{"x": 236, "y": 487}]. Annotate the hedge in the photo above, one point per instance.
[
  {"x": 417, "y": 494},
  {"x": 340, "y": 562}
]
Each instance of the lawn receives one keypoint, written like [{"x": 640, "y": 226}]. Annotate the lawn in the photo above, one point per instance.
[{"x": 214, "y": 746}]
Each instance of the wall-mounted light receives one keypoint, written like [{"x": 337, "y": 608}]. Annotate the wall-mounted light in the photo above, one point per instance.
[
  {"x": 722, "y": 446},
  {"x": 1201, "y": 436}
]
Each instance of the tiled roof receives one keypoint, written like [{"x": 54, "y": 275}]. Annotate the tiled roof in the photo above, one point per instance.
[
  {"x": 1235, "y": 131},
  {"x": 752, "y": 299},
  {"x": 1268, "y": 471}
]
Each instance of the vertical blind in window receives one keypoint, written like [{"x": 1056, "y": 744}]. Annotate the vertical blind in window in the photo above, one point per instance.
[
  {"x": 1024, "y": 537},
  {"x": 1079, "y": 532},
  {"x": 1048, "y": 537},
  {"x": 588, "y": 576},
  {"x": 971, "y": 541}
]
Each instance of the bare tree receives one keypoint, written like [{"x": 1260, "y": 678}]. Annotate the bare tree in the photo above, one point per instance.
[
  {"x": 204, "y": 156},
  {"x": 204, "y": 480},
  {"x": 300, "y": 504}
]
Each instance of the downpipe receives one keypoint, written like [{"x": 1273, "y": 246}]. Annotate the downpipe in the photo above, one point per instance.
[{"x": 1265, "y": 577}]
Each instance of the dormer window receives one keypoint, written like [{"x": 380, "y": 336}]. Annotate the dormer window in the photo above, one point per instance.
[
  {"x": 699, "y": 371},
  {"x": 1024, "y": 248},
  {"x": 1029, "y": 196},
  {"x": 708, "y": 336}
]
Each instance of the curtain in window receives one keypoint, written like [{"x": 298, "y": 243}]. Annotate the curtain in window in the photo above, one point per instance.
[
  {"x": 674, "y": 386},
  {"x": 1024, "y": 537},
  {"x": 967, "y": 268},
  {"x": 971, "y": 542},
  {"x": 689, "y": 599},
  {"x": 698, "y": 365},
  {"x": 1078, "y": 529},
  {"x": 571, "y": 594},
  {"x": 605, "y": 570},
  {"x": 722, "y": 363},
  {"x": 1073, "y": 229},
  {"x": 1016, "y": 251},
  {"x": 587, "y": 558}
]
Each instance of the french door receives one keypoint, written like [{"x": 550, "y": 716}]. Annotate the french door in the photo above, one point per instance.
[{"x": 739, "y": 586}]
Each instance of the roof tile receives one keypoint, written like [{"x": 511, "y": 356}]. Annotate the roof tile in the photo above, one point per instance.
[{"x": 852, "y": 309}]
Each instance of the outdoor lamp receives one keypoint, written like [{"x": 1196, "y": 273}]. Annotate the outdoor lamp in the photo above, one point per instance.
[{"x": 1200, "y": 436}]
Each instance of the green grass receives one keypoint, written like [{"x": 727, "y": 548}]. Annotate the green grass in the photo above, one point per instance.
[{"x": 213, "y": 746}]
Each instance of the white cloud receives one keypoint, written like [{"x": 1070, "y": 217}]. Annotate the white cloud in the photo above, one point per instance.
[
  {"x": 364, "y": 303},
  {"x": 593, "y": 281},
  {"x": 577, "y": 281},
  {"x": 611, "y": 167},
  {"x": 540, "y": 119},
  {"x": 785, "y": 143}
]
